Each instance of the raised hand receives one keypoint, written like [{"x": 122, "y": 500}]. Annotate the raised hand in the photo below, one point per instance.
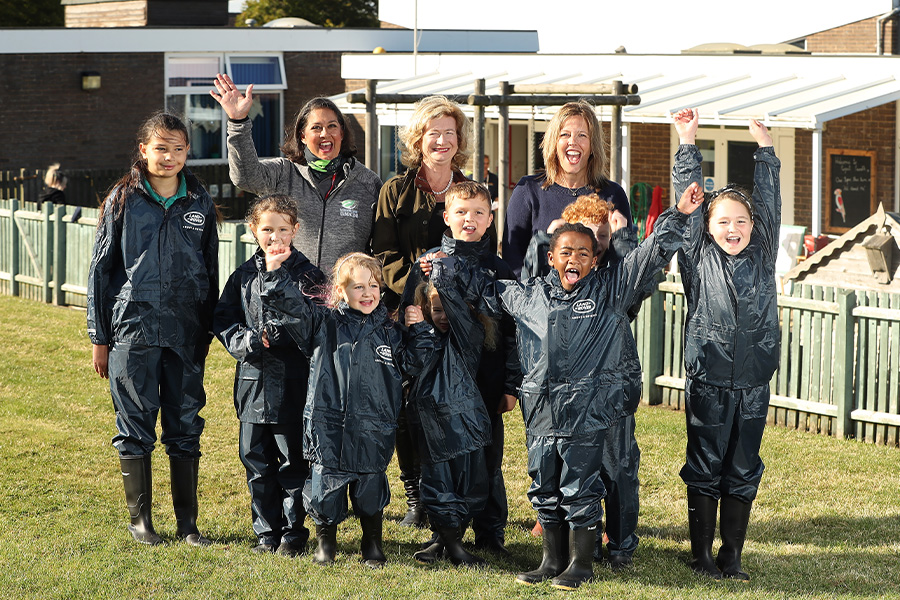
[
  {"x": 617, "y": 221},
  {"x": 426, "y": 260},
  {"x": 691, "y": 199},
  {"x": 760, "y": 133},
  {"x": 276, "y": 254},
  {"x": 236, "y": 105},
  {"x": 414, "y": 315},
  {"x": 687, "y": 121}
]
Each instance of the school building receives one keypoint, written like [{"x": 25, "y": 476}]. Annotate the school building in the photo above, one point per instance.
[{"x": 77, "y": 96}]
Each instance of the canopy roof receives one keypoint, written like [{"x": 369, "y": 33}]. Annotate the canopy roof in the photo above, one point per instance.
[{"x": 729, "y": 89}]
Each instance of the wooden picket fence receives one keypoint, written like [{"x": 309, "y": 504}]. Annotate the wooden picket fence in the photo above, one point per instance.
[
  {"x": 88, "y": 187},
  {"x": 839, "y": 372}
]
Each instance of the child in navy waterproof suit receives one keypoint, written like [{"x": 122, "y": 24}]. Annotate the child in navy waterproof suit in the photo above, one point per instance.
[
  {"x": 572, "y": 326},
  {"x": 269, "y": 382},
  {"x": 358, "y": 358},
  {"x": 731, "y": 345},
  {"x": 451, "y": 422},
  {"x": 468, "y": 217},
  {"x": 152, "y": 288}
]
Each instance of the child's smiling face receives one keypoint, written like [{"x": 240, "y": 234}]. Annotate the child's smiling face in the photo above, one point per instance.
[
  {"x": 438, "y": 316},
  {"x": 573, "y": 257},
  {"x": 362, "y": 292},
  {"x": 165, "y": 153},
  {"x": 469, "y": 218},
  {"x": 730, "y": 225},
  {"x": 274, "y": 230}
]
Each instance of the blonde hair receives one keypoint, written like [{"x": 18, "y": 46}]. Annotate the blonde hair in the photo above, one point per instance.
[
  {"x": 588, "y": 208},
  {"x": 425, "y": 111},
  {"x": 422, "y": 298},
  {"x": 597, "y": 163},
  {"x": 467, "y": 190},
  {"x": 343, "y": 272},
  {"x": 54, "y": 178}
]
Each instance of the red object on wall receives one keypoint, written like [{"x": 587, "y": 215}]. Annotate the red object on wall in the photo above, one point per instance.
[
  {"x": 812, "y": 243},
  {"x": 655, "y": 210}
]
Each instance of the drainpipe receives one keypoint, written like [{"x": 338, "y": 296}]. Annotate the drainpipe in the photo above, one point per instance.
[
  {"x": 879, "y": 27},
  {"x": 817, "y": 183}
]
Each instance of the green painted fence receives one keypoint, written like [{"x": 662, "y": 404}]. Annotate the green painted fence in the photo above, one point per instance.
[
  {"x": 839, "y": 372},
  {"x": 35, "y": 245}
]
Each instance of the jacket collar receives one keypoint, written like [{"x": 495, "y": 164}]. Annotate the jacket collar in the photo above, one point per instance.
[
  {"x": 556, "y": 289},
  {"x": 456, "y": 247}
]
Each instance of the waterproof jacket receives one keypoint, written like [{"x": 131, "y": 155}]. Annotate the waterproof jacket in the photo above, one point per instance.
[
  {"x": 732, "y": 336},
  {"x": 153, "y": 278},
  {"x": 328, "y": 228},
  {"x": 357, "y": 364},
  {"x": 401, "y": 231},
  {"x": 444, "y": 401},
  {"x": 573, "y": 346},
  {"x": 499, "y": 371},
  {"x": 269, "y": 383}
]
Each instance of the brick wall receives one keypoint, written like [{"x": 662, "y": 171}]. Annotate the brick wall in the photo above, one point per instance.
[
  {"x": 49, "y": 118},
  {"x": 651, "y": 159},
  {"x": 869, "y": 130},
  {"x": 857, "y": 37}
]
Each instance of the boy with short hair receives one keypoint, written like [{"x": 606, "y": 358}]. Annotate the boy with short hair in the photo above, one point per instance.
[
  {"x": 573, "y": 325},
  {"x": 468, "y": 216}
]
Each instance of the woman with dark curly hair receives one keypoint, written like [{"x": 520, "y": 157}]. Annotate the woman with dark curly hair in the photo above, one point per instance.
[{"x": 335, "y": 193}]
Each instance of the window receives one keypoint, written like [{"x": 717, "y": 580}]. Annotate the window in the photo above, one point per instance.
[{"x": 190, "y": 77}]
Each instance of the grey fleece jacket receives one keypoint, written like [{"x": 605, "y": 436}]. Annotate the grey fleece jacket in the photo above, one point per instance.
[{"x": 327, "y": 229}]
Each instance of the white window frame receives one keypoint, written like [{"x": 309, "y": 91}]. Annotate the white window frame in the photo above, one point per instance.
[{"x": 224, "y": 65}]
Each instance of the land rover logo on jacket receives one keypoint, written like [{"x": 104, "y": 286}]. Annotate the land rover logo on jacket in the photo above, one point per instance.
[
  {"x": 583, "y": 307},
  {"x": 384, "y": 352},
  {"x": 197, "y": 219}
]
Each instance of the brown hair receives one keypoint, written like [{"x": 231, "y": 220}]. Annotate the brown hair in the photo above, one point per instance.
[
  {"x": 343, "y": 271},
  {"x": 425, "y": 111},
  {"x": 467, "y": 190},
  {"x": 588, "y": 208},
  {"x": 293, "y": 148},
  {"x": 154, "y": 125},
  {"x": 425, "y": 291},
  {"x": 597, "y": 163},
  {"x": 284, "y": 205},
  {"x": 729, "y": 192}
]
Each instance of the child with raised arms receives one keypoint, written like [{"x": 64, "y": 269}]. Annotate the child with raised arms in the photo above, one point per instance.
[
  {"x": 152, "y": 288},
  {"x": 731, "y": 345},
  {"x": 270, "y": 381},
  {"x": 468, "y": 218},
  {"x": 572, "y": 326},
  {"x": 358, "y": 359}
]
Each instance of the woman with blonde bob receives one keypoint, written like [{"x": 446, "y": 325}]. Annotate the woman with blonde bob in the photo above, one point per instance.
[
  {"x": 409, "y": 217},
  {"x": 575, "y": 164},
  {"x": 409, "y": 221}
]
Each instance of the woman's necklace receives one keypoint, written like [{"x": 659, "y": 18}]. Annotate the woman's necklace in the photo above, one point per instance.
[
  {"x": 443, "y": 191},
  {"x": 574, "y": 190}
]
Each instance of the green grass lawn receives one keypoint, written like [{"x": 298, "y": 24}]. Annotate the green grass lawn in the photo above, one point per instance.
[{"x": 826, "y": 523}]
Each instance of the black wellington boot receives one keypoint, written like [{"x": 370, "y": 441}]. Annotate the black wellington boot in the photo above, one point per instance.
[
  {"x": 370, "y": 545},
  {"x": 702, "y": 511},
  {"x": 327, "y": 537},
  {"x": 415, "y": 513},
  {"x": 581, "y": 567},
  {"x": 431, "y": 551},
  {"x": 556, "y": 556},
  {"x": 184, "y": 499},
  {"x": 138, "y": 479},
  {"x": 458, "y": 555},
  {"x": 733, "y": 528}
]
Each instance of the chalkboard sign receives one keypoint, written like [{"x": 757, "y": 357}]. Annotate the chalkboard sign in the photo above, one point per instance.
[{"x": 850, "y": 197}]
